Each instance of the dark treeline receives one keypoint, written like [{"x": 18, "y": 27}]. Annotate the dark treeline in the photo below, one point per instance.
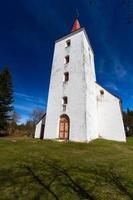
[
  {"x": 128, "y": 122},
  {"x": 6, "y": 99}
]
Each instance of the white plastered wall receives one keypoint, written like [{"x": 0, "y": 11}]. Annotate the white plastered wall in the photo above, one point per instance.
[
  {"x": 110, "y": 122},
  {"x": 75, "y": 90},
  {"x": 90, "y": 114},
  {"x": 91, "y": 103},
  {"x": 38, "y": 129}
]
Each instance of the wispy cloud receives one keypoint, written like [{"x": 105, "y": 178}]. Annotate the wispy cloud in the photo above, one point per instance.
[
  {"x": 24, "y": 108},
  {"x": 119, "y": 69},
  {"x": 29, "y": 98},
  {"x": 25, "y": 104},
  {"x": 112, "y": 86},
  {"x": 116, "y": 67},
  {"x": 23, "y": 119}
]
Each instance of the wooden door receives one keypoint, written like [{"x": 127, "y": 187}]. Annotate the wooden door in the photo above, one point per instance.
[{"x": 64, "y": 128}]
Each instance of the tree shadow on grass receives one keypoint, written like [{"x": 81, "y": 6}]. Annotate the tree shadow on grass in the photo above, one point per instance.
[
  {"x": 52, "y": 179},
  {"x": 61, "y": 176},
  {"x": 112, "y": 178},
  {"x": 56, "y": 175}
]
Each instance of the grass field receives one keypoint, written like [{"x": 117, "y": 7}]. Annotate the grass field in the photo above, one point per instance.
[{"x": 43, "y": 170}]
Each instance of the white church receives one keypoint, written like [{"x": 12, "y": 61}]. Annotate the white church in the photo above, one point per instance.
[{"x": 79, "y": 109}]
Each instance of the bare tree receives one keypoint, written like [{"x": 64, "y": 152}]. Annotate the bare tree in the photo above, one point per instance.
[
  {"x": 35, "y": 116},
  {"x": 16, "y": 117},
  {"x": 13, "y": 124}
]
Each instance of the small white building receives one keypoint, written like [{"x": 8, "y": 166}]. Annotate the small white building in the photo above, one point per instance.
[{"x": 79, "y": 109}]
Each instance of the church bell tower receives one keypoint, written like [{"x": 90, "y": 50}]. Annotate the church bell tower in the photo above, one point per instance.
[{"x": 71, "y": 109}]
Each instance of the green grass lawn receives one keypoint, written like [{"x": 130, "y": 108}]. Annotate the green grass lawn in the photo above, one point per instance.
[{"x": 43, "y": 170}]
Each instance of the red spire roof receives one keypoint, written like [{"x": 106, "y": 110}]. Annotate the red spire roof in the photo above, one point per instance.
[{"x": 76, "y": 25}]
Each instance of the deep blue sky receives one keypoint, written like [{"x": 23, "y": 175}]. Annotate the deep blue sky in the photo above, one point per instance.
[{"x": 28, "y": 29}]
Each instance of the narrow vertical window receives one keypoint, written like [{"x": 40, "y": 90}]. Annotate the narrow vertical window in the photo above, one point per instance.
[
  {"x": 64, "y": 100},
  {"x": 66, "y": 60},
  {"x": 67, "y": 43},
  {"x": 66, "y": 76}
]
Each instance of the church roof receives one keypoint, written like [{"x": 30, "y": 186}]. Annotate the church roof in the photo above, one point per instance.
[
  {"x": 42, "y": 117},
  {"x": 76, "y": 25}
]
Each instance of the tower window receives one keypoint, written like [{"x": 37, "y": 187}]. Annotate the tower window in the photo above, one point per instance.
[
  {"x": 65, "y": 100},
  {"x": 66, "y": 60},
  {"x": 66, "y": 76},
  {"x": 102, "y": 92},
  {"x": 68, "y": 43}
]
